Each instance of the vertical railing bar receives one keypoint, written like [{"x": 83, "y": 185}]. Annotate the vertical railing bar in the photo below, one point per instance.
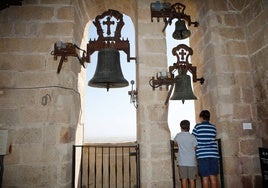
[
  {"x": 123, "y": 175},
  {"x": 138, "y": 165},
  {"x": 115, "y": 167},
  {"x": 81, "y": 167},
  {"x": 129, "y": 167},
  {"x": 88, "y": 165},
  {"x": 102, "y": 166},
  {"x": 73, "y": 167},
  {"x": 95, "y": 168},
  {"x": 109, "y": 167},
  {"x": 221, "y": 163},
  {"x": 172, "y": 162}
]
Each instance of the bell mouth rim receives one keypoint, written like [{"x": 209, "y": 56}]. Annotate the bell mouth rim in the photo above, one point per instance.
[{"x": 108, "y": 84}]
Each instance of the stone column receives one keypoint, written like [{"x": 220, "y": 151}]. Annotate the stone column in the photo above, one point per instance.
[{"x": 153, "y": 132}]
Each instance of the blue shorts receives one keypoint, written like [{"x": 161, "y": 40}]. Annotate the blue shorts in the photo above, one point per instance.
[{"x": 208, "y": 166}]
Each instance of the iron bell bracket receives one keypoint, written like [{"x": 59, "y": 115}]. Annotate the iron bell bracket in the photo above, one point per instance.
[
  {"x": 63, "y": 50},
  {"x": 109, "y": 26},
  {"x": 108, "y": 37},
  {"x": 182, "y": 52},
  {"x": 169, "y": 12}
]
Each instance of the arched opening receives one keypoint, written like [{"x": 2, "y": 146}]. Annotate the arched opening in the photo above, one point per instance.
[
  {"x": 177, "y": 110},
  {"x": 109, "y": 116}
]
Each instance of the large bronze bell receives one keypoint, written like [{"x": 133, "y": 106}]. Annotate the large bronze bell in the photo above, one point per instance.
[
  {"x": 181, "y": 32},
  {"x": 108, "y": 73},
  {"x": 183, "y": 88}
]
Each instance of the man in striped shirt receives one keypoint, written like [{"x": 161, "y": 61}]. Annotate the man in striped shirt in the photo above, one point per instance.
[{"x": 207, "y": 150}]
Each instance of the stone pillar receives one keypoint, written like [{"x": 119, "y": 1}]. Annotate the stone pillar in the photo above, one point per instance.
[
  {"x": 153, "y": 132},
  {"x": 42, "y": 134}
]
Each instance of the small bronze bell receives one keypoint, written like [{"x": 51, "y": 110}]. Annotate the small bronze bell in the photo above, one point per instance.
[
  {"x": 183, "y": 88},
  {"x": 181, "y": 32},
  {"x": 108, "y": 73}
]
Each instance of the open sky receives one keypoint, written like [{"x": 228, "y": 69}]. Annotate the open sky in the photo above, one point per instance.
[{"x": 110, "y": 117}]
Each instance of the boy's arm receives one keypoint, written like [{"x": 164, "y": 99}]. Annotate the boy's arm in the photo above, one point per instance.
[{"x": 195, "y": 143}]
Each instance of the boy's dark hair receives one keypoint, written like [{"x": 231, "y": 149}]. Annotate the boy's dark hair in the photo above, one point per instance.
[
  {"x": 205, "y": 114},
  {"x": 185, "y": 125}
]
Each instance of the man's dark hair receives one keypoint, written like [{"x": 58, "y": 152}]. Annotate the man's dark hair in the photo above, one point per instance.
[
  {"x": 185, "y": 125},
  {"x": 205, "y": 114}
]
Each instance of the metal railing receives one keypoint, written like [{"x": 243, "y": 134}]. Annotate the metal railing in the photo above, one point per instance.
[
  {"x": 174, "y": 150},
  {"x": 106, "y": 166}
]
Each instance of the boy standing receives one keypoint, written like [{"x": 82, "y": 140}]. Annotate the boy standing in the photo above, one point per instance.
[
  {"x": 207, "y": 150},
  {"x": 186, "y": 155}
]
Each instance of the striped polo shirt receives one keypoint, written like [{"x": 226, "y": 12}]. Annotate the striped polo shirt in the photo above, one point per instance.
[{"x": 205, "y": 134}]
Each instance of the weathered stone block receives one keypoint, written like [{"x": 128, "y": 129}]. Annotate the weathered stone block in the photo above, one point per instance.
[
  {"x": 242, "y": 111},
  {"x": 65, "y": 13},
  {"x": 250, "y": 146},
  {"x": 7, "y": 29},
  {"x": 57, "y": 29},
  {"x": 159, "y": 172},
  {"x": 155, "y": 46},
  {"x": 231, "y": 165},
  {"x": 28, "y": 136},
  {"x": 9, "y": 117},
  {"x": 41, "y": 13}
]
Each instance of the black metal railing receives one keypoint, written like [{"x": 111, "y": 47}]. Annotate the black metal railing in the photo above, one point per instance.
[
  {"x": 106, "y": 166},
  {"x": 174, "y": 150}
]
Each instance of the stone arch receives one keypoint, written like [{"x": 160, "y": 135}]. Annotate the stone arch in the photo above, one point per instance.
[
  {"x": 113, "y": 127},
  {"x": 85, "y": 12}
]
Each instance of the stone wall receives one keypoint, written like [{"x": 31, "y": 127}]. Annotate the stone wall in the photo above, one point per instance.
[
  {"x": 230, "y": 45},
  {"x": 41, "y": 135},
  {"x": 230, "y": 51}
]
